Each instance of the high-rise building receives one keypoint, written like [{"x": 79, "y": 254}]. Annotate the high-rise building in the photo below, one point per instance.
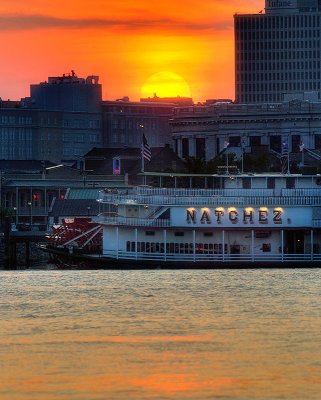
[{"x": 278, "y": 52}]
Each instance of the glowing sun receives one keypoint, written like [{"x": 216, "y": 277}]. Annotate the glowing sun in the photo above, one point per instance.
[{"x": 165, "y": 84}]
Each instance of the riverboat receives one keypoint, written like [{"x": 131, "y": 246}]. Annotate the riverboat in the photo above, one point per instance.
[{"x": 211, "y": 221}]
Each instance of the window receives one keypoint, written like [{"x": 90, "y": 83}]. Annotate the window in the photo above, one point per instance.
[
  {"x": 200, "y": 147},
  {"x": 296, "y": 140},
  {"x": 266, "y": 247},
  {"x": 270, "y": 183},
  {"x": 246, "y": 183},
  {"x": 208, "y": 234},
  {"x": 185, "y": 148},
  {"x": 290, "y": 183},
  {"x": 235, "y": 141},
  {"x": 255, "y": 141},
  {"x": 275, "y": 143},
  {"x": 317, "y": 142}
]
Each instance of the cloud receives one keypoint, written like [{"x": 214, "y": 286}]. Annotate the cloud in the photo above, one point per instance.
[{"x": 20, "y": 22}]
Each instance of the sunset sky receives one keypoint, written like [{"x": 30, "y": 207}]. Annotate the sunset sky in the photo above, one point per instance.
[{"x": 131, "y": 44}]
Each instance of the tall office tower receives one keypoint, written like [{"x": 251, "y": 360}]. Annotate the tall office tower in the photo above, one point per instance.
[{"x": 278, "y": 52}]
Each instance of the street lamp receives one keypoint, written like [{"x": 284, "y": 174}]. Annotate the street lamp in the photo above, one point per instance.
[
  {"x": 88, "y": 210},
  {"x": 30, "y": 213}
]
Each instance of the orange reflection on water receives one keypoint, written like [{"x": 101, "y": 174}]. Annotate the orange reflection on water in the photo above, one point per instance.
[{"x": 170, "y": 383}]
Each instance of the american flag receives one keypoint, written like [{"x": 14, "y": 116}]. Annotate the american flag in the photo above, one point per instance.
[
  {"x": 284, "y": 155},
  {"x": 285, "y": 148},
  {"x": 146, "y": 152}
]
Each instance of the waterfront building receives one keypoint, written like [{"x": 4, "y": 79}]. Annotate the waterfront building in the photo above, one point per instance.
[
  {"x": 277, "y": 52},
  {"x": 128, "y": 161},
  {"x": 60, "y": 121},
  {"x": 125, "y": 122},
  {"x": 66, "y": 93},
  {"x": 202, "y": 131},
  {"x": 18, "y": 132},
  {"x": 31, "y": 188},
  {"x": 69, "y": 118}
]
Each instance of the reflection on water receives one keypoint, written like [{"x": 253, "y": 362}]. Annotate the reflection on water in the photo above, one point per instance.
[{"x": 160, "y": 335}]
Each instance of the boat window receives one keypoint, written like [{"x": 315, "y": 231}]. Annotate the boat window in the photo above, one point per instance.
[
  {"x": 246, "y": 183},
  {"x": 270, "y": 183},
  {"x": 290, "y": 183},
  {"x": 266, "y": 247}
]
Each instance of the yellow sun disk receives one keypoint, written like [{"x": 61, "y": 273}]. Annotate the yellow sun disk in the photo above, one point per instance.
[{"x": 165, "y": 84}]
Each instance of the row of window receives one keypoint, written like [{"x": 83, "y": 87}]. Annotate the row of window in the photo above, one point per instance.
[
  {"x": 269, "y": 22},
  {"x": 263, "y": 97},
  {"x": 5, "y": 119},
  {"x": 266, "y": 35},
  {"x": 76, "y": 138},
  {"x": 275, "y": 55},
  {"x": 253, "y": 36},
  {"x": 285, "y": 70},
  {"x": 244, "y": 89},
  {"x": 278, "y": 76},
  {"x": 275, "y": 143},
  {"x": 176, "y": 248},
  {"x": 293, "y": 44},
  {"x": 188, "y": 248},
  {"x": 135, "y": 124},
  {"x": 132, "y": 139},
  {"x": 80, "y": 123},
  {"x": 74, "y": 123}
]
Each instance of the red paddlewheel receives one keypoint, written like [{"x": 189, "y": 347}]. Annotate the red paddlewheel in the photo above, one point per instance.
[{"x": 77, "y": 232}]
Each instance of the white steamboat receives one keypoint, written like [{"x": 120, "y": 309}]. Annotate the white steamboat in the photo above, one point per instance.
[{"x": 240, "y": 220}]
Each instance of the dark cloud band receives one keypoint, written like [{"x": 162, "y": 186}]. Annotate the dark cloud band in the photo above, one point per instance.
[{"x": 35, "y": 21}]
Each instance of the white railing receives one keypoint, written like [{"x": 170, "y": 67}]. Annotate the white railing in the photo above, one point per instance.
[
  {"x": 301, "y": 192},
  {"x": 201, "y": 192},
  {"x": 109, "y": 220},
  {"x": 316, "y": 223},
  {"x": 219, "y": 258},
  {"x": 212, "y": 201}
]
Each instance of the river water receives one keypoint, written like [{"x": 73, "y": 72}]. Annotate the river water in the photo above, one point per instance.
[{"x": 110, "y": 335}]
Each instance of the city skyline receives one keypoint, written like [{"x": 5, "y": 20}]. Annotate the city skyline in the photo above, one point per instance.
[{"x": 133, "y": 46}]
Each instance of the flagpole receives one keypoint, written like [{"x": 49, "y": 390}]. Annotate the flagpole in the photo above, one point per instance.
[
  {"x": 142, "y": 149},
  {"x": 243, "y": 146},
  {"x": 288, "y": 157},
  {"x": 226, "y": 145},
  {"x": 142, "y": 159}
]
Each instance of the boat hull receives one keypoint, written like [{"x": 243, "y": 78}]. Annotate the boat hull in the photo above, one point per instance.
[{"x": 65, "y": 260}]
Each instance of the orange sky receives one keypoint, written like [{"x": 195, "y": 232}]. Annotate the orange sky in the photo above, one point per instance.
[{"x": 122, "y": 41}]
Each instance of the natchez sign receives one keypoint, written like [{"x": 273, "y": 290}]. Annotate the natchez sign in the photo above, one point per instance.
[
  {"x": 246, "y": 215},
  {"x": 241, "y": 216}
]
